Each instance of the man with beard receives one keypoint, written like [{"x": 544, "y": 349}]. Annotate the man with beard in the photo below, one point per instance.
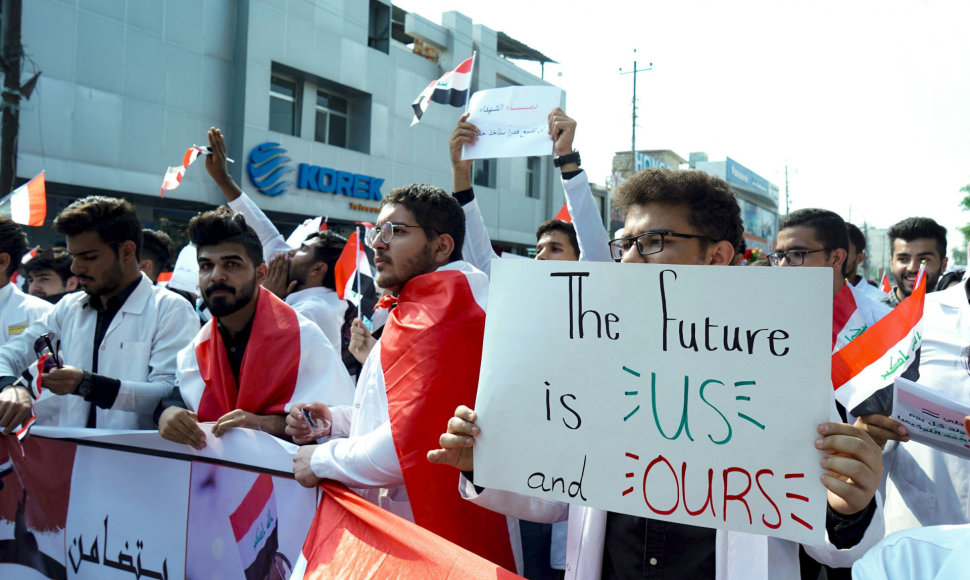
[
  {"x": 303, "y": 276},
  {"x": 49, "y": 275},
  {"x": 913, "y": 241},
  {"x": 426, "y": 361},
  {"x": 257, "y": 355},
  {"x": 118, "y": 339}
]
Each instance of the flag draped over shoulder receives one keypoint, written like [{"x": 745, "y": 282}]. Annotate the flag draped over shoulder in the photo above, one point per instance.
[
  {"x": 431, "y": 355},
  {"x": 451, "y": 89},
  {"x": 28, "y": 203},
  {"x": 353, "y": 539},
  {"x": 269, "y": 370},
  {"x": 871, "y": 362}
]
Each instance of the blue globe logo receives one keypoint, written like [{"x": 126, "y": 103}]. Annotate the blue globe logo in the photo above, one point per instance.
[{"x": 267, "y": 168}]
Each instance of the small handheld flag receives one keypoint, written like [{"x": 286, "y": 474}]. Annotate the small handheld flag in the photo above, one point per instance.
[
  {"x": 28, "y": 203},
  {"x": 884, "y": 285},
  {"x": 564, "y": 214},
  {"x": 451, "y": 89}
]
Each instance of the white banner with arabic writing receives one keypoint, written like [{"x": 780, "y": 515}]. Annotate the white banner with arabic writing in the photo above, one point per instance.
[{"x": 512, "y": 122}]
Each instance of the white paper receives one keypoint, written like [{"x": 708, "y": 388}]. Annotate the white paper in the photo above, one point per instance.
[
  {"x": 574, "y": 419},
  {"x": 512, "y": 122},
  {"x": 932, "y": 418}
]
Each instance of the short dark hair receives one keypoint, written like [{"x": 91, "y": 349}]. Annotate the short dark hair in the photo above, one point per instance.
[
  {"x": 565, "y": 227},
  {"x": 915, "y": 228},
  {"x": 829, "y": 226},
  {"x": 327, "y": 246},
  {"x": 221, "y": 226},
  {"x": 13, "y": 242},
  {"x": 114, "y": 220},
  {"x": 158, "y": 248},
  {"x": 856, "y": 237},
  {"x": 433, "y": 209},
  {"x": 56, "y": 259},
  {"x": 711, "y": 206}
]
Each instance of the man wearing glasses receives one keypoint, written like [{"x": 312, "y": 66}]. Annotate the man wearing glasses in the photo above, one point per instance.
[
  {"x": 426, "y": 362},
  {"x": 688, "y": 218}
]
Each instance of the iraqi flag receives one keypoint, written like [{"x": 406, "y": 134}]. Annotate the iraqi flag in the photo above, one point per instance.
[
  {"x": 173, "y": 176},
  {"x": 23, "y": 262},
  {"x": 354, "y": 274},
  {"x": 254, "y": 525},
  {"x": 884, "y": 285},
  {"x": 353, "y": 539},
  {"x": 28, "y": 203},
  {"x": 849, "y": 320},
  {"x": 451, "y": 89},
  {"x": 869, "y": 364},
  {"x": 564, "y": 214}
]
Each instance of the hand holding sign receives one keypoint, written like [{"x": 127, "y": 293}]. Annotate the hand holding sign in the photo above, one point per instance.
[{"x": 511, "y": 122}]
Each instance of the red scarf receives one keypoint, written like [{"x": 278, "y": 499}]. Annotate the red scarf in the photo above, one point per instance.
[
  {"x": 269, "y": 366},
  {"x": 431, "y": 352}
]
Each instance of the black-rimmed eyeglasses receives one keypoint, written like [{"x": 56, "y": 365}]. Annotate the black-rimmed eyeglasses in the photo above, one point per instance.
[
  {"x": 793, "y": 257},
  {"x": 387, "y": 230},
  {"x": 647, "y": 243}
]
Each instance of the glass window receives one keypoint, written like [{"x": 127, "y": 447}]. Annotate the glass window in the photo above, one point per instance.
[
  {"x": 379, "y": 26},
  {"x": 484, "y": 172},
  {"x": 283, "y": 106},
  {"x": 333, "y": 115},
  {"x": 532, "y": 177}
]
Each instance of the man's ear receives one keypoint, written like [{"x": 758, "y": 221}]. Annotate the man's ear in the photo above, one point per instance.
[
  {"x": 943, "y": 264},
  {"x": 146, "y": 266},
  {"x": 720, "y": 254},
  {"x": 4, "y": 263},
  {"x": 261, "y": 271},
  {"x": 128, "y": 252},
  {"x": 70, "y": 284},
  {"x": 838, "y": 257},
  {"x": 443, "y": 246}
]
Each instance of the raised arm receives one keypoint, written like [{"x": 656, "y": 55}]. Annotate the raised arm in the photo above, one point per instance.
[{"x": 477, "y": 249}]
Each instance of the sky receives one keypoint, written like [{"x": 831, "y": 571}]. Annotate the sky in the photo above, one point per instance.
[{"x": 867, "y": 102}]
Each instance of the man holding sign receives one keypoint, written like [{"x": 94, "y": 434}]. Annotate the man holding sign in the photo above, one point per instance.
[{"x": 688, "y": 218}]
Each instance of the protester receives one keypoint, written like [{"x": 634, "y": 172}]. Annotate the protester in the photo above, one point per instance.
[
  {"x": 303, "y": 276},
  {"x": 17, "y": 310},
  {"x": 48, "y": 275},
  {"x": 425, "y": 363},
  {"x": 118, "y": 340},
  {"x": 556, "y": 240},
  {"x": 913, "y": 241},
  {"x": 288, "y": 359},
  {"x": 687, "y": 217},
  {"x": 590, "y": 235},
  {"x": 156, "y": 254},
  {"x": 855, "y": 258}
]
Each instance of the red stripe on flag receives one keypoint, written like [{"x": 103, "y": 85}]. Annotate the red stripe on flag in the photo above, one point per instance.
[
  {"x": 884, "y": 285},
  {"x": 346, "y": 265},
  {"x": 564, "y": 214},
  {"x": 37, "y": 192},
  {"x": 842, "y": 309},
  {"x": 165, "y": 276},
  {"x": 251, "y": 506},
  {"x": 466, "y": 66},
  {"x": 854, "y": 357}
]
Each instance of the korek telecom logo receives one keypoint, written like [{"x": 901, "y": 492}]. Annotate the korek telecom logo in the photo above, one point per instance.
[{"x": 267, "y": 168}]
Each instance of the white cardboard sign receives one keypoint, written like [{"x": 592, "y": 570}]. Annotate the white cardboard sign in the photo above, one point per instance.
[
  {"x": 512, "y": 122},
  {"x": 682, "y": 393}
]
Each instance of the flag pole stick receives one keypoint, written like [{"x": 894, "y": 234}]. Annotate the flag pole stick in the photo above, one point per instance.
[
  {"x": 471, "y": 78},
  {"x": 357, "y": 272}
]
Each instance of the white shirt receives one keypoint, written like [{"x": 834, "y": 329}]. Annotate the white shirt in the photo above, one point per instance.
[
  {"x": 323, "y": 307},
  {"x": 139, "y": 348},
  {"x": 18, "y": 311},
  {"x": 932, "y": 553},
  {"x": 926, "y": 487}
]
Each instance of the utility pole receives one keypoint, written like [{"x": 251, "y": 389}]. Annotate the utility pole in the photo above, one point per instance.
[
  {"x": 633, "y": 138},
  {"x": 10, "y": 59}
]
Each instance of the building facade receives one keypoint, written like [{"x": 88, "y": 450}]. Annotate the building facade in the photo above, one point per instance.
[{"x": 314, "y": 97}]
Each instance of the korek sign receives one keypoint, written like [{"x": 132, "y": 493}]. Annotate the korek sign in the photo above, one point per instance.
[{"x": 270, "y": 170}]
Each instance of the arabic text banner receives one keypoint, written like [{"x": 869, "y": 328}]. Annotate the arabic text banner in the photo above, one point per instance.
[
  {"x": 512, "y": 122},
  {"x": 99, "y": 504},
  {"x": 659, "y": 391}
]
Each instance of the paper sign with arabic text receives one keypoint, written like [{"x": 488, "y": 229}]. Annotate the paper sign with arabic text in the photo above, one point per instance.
[{"x": 512, "y": 122}]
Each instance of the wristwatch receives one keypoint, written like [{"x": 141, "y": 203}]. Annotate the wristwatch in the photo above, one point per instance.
[
  {"x": 566, "y": 159},
  {"x": 86, "y": 385}
]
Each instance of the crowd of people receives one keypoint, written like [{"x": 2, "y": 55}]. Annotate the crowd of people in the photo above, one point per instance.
[{"x": 384, "y": 406}]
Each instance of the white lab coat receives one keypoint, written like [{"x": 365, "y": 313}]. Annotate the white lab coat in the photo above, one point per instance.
[
  {"x": 18, "y": 311},
  {"x": 926, "y": 487},
  {"x": 933, "y": 553},
  {"x": 740, "y": 556},
  {"x": 139, "y": 348}
]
